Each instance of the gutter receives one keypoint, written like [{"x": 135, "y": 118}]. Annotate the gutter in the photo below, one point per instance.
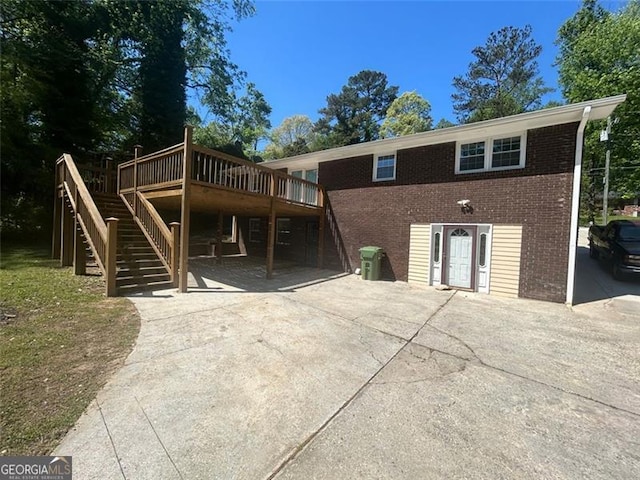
[{"x": 575, "y": 205}]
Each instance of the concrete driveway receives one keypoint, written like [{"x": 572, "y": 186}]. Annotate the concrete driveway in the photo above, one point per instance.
[
  {"x": 308, "y": 377},
  {"x": 595, "y": 286}
]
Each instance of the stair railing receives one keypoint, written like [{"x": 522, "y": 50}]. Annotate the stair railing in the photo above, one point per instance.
[
  {"x": 100, "y": 235},
  {"x": 165, "y": 169},
  {"x": 159, "y": 169}
]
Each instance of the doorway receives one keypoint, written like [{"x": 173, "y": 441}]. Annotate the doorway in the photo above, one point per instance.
[{"x": 460, "y": 256}]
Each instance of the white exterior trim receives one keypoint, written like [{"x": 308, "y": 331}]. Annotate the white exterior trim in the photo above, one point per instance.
[
  {"x": 600, "y": 108},
  {"x": 436, "y": 270},
  {"x": 575, "y": 205},
  {"x": 376, "y": 158}
]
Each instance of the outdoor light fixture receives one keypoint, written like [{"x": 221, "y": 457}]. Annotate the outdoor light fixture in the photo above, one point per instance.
[{"x": 465, "y": 206}]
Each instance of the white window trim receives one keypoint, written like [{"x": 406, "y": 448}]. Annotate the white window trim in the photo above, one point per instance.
[
  {"x": 375, "y": 167},
  {"x": 488, "y": 153}
]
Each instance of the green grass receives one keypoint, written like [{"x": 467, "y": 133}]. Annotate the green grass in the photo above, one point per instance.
[
  {"x": 584, "y": 221},
  {"x": 60, "y": 341}
]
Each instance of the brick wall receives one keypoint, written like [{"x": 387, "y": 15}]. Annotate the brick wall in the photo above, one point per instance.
[{"x": 426, "y": 190}]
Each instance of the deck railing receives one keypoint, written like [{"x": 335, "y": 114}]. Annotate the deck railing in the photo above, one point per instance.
[
  {"x": 99, "y": 179},
  {"x": 164, "y": 169},
  {"x": 100, "y": 237},
  {"x": 222, "y": 170},
  {"x": 153, "y": 226},
  {"x": 159, "y": 169}
]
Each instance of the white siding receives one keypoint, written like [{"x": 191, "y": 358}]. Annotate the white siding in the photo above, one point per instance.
[
  {"x": 505, "y": 260},
  {"x": 419, "y": 253}
]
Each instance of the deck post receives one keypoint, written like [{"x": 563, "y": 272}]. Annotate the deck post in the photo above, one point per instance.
[
  {"x": 321, "y": 226},
  {"x": 175, "y": 252},
  {"x": 57, "y": 219},
  {"x": 66, "y": 237},
  {"x": 111, "y": 255},
  {"x": 79, "y": 251},
  {"x": 218, "y": 252},
  {"x": 185, "y": 213},
  {"x": 272, "y": 238}
]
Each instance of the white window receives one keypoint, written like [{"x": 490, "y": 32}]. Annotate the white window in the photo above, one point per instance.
[
  {"x": 255, "y": 230},
  {"x": 283, "y": 231},
  {"x": 384, "y": 167},
  {"x": 496, "y": 153},
  {"x": 310, "y": 175}
]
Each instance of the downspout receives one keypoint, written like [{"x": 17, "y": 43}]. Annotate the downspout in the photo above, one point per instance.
[{"x": 575, "y": 205}]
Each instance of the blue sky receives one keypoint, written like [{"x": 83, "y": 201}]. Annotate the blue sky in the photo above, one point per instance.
[{"x": 298, "y": 52}]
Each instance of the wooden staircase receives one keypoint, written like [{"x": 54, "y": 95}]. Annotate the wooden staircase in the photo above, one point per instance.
[{"x": 138, "y": 265}]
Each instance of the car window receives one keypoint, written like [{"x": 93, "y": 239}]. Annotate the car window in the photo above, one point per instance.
[{"x": 630, "y": 233}]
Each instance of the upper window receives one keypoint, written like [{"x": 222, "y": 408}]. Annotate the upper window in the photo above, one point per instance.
[
  {"x": 384, "y": 167},
  {"x": 499, "y": 153},
  {"x": 506, "y": 152},
  {"x": 472, "y": 156}
]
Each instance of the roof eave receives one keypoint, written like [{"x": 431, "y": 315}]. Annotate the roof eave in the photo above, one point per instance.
[{"x": 600, "y": 108}]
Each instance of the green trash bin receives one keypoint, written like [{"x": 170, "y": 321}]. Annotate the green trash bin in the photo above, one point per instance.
[{"x": 371, "y": 258}]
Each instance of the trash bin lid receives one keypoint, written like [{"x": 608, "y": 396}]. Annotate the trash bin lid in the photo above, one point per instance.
[
  {"x": 370, "y": 252},
  {"x": 370, "y": 249}
]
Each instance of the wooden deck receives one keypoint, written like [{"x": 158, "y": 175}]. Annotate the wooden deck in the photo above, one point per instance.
[{"x": 186, "y": 178}]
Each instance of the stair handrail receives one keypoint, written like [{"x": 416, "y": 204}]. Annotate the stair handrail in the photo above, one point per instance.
[
  {"x": 100, "y": 237},
  {"x": 153, "y": 227}
]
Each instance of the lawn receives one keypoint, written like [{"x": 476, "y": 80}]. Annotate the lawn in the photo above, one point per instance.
[
  {"x": 598, "y": 220},
  {"x": 60, "y": 340}
]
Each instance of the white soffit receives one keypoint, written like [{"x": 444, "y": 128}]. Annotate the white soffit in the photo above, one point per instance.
[{"x": 600, "y": 108}]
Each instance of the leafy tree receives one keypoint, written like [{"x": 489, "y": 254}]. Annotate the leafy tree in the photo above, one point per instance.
[
  {"x": 92, "y": 76},
  {"x": 602, "y": 58},
  {"x": 293, "y": 136},
  {"x": 407, "y": 114},
  {"x": 353, "y": 115},
  {"x": 252, "y": 117},
  {"x": 246, "y": 123},
  {"x": 503, "y": 80},
  {"x": 164, "y": 49},
  {"x": 48, "y": 88},
  {"x": 444, "y": 123}
]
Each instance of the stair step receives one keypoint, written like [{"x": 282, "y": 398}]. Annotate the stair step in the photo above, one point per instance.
[
  {"x": 132, "y": 240},
  {"x": 142, "y": 280},
  {"x": 137, "y": 261},
  {"x": 137, "y": 271},
  {"x": 128, "y": 289},
  {"x": 138, "y": 256}
]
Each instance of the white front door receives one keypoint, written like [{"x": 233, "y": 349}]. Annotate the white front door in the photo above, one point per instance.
[{"x": 460, "y": 257}]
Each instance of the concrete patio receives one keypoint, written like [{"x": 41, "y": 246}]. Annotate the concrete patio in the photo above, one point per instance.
[{"x": 313, "y": 375}]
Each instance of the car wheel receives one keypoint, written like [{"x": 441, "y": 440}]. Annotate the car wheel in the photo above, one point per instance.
[
  {"x": 617, "y": 273},
  {"x": 593, "y": 253}
]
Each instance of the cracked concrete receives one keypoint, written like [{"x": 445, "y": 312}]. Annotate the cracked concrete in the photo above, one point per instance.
[{"x": 352, "y": 379}]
